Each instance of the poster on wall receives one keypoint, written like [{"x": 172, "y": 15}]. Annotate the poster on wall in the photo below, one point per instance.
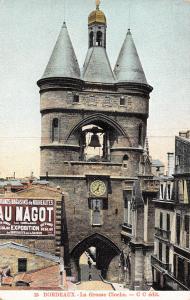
[{"x": 27, "y": 217}]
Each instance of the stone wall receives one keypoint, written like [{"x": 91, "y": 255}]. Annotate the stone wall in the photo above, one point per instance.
[
  {"x": 79, "y": 215},
  {"x": 91, "y": 100},
  {"x": 53, "y": 162}
]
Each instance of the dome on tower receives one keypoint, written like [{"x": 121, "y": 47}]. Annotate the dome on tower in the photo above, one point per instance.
[{"x": 96, "y": 16}]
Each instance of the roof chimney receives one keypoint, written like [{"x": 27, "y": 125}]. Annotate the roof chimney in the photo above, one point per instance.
[{"x": 170, "y": 163}]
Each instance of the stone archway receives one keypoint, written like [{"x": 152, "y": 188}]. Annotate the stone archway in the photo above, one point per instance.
[
  {"x": 99, "y": 118},
  {"x": 106, "y": 251}
]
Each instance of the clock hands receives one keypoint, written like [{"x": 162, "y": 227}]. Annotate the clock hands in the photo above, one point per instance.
[{"x": 98, "y": 188}]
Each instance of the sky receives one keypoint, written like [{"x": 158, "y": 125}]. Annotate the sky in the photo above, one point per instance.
[{"x": 28, "y": 32}]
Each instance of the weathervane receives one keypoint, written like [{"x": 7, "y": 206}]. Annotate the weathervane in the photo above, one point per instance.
[{"x": 97, "y": 4}]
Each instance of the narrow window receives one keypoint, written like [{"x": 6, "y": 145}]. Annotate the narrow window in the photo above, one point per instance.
[
  {"x": 178, "y": 228},
  {"x": 127, "y": 207},
  {"x": 22, "y": 264},
  {"x": 177, "y": 162},
  {"x": 161, "y": 220},
  {"x": 181, "y": 190},
  {"x": 169, "y": 191},
  {"x": 181, "y": 272},
  {"x": 140, "y": 137},
  {"x": 122, "y": 101},
  {"x": 175, "y": 265},
  {"x": 167, "y": 254},
  {"x": 91, "y": 37},
  {"x": 186, "y": 226},
  {"x": 55, "y": 130},
  {"x": 162, "y": 191},
  {"x": 99, "y": 38},
  {"x": 125, "y": 160},
  {"x": 76, "y": 98},
  {"x": 168, "y": 222},
  {"x": 160, "y": 251}
]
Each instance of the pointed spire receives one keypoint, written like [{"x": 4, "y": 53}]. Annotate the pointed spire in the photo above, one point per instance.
[
  {"x": 97, "y": 66},
  {"x": 63, "y": 61},
  {"x": 128, "y": 66}
]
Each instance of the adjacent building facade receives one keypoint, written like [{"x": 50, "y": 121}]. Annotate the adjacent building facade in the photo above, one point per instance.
[{"x": 171, "y": 259}]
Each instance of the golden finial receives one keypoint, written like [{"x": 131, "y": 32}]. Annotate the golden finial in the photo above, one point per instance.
[{"x": 97, "y": 4}]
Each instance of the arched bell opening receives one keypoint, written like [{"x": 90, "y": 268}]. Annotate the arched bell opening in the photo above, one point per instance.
[
  {"x": 99, "y": 37},
  {"x": 95, "y": 141},
  {"x": 97, "y": 135}
]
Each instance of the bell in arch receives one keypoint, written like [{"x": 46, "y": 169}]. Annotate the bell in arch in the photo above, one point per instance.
[{"x": 94, "y": 142}]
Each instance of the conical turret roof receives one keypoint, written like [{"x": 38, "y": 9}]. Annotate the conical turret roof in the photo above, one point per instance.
[
  {"x": 128, "y": 67},
  {"x": 97, "y": 66},
  {"x": 63, "y": 61}
]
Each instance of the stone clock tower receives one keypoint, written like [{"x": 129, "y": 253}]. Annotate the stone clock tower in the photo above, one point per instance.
[{"x": 94, "y": 127}]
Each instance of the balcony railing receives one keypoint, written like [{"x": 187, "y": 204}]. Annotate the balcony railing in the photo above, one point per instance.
[
  {"x": 165, "y": 234},
  {"x": 157, "y": 262},
  {"x": 127, "y": 228}
]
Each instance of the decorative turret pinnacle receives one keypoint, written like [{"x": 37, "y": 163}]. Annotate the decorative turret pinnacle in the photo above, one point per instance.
[
  {"x": 97, "y": 67},
  {"x": 97, "y": 4},
  {"x": 128, "y": 67},
  {"x": 63, "y": 61}
]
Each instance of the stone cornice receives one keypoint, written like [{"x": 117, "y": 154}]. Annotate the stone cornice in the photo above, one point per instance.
[
  {"x": 138, "y": 87},
  {"x": 62, "y": 83},
  {"x": 47, "y": 146},
  {"x": 84, "y": 110},
  {"x": 126, "y": 149},
  {"x": 84, "y": 176}
]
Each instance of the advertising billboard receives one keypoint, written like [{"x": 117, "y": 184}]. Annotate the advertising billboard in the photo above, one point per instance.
[{"x": 27, "y": 217}]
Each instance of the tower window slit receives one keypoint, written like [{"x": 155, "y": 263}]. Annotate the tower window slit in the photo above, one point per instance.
[
  {"x": 55, "y": 130},
  {"x": 125, "y": 160},
  {"x": 140, "y": 136}
]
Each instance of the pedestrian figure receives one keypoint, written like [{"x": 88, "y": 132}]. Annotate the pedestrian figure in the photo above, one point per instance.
[
  {"x": 90, "y": 277},
  {"x": 89, "y": 263}
]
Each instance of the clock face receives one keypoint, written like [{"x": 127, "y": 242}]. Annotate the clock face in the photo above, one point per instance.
[{"x": 98, "y": 188}]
